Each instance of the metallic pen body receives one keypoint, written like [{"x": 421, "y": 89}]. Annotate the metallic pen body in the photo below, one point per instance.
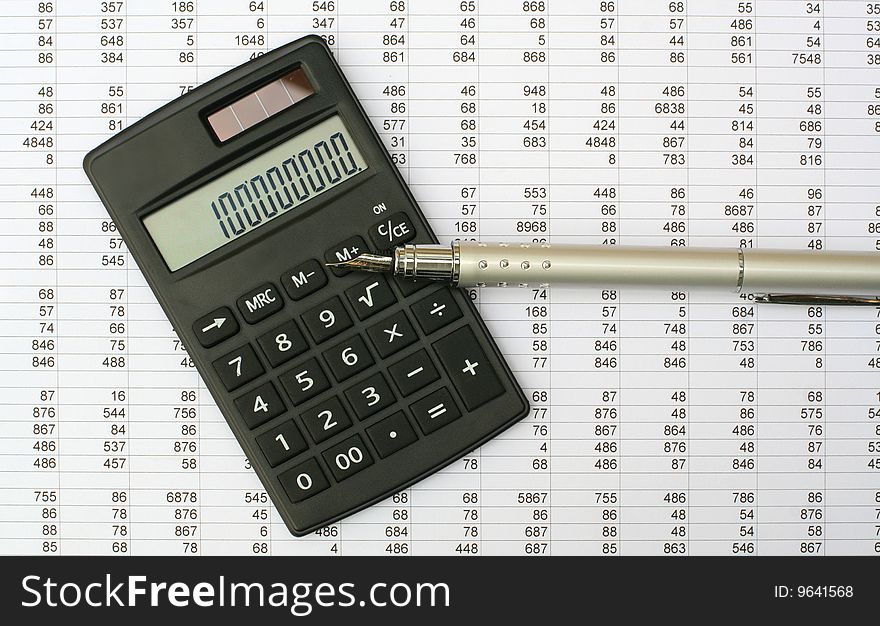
[{"x": 481, "y": 264}]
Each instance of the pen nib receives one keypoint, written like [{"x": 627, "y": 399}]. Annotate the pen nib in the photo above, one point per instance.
[{"x": 366, "y": 263}]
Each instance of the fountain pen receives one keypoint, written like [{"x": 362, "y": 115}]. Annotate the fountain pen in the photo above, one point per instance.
[{"x": 773, "y": 276}]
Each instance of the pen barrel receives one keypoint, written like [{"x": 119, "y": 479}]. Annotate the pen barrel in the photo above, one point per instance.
[
  {"x": 747, "y": 270},
  {"x": 803, "y": 272},
  {"x": 534, "y": 264}
]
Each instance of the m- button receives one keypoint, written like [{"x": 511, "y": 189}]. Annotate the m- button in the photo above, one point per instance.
[
  {"x": 260, "y": 303},
  {"x": 304, "y": 279}
]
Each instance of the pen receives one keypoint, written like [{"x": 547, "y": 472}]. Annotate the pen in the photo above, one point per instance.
[{"x": 775, "y": 276}]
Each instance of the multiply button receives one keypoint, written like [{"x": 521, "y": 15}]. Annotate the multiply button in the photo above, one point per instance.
[
  {"x": 468, "y": 367},
  {"x": 392, "y": 231},
  {"x": 215, "y": 327},
  {"x": 436, "y": 311},
  {"x": 392, "y": 334},
  {"x": 345, "y": 251},
  {"x": 304, "y": 279},
  {"x": 259, "y": 303}
]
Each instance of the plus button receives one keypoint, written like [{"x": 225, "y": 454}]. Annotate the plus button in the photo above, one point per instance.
[{"x": 470, "y": 368}]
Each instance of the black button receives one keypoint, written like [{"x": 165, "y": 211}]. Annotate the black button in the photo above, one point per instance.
[
  {"x": 283, "y": 343},
  {"x": 370, "y": 296},
  {"x": 370, "y": 396},
  {"x": 260, "y": 405},
  {"x": 408, "y": 287},
  {"x": 281, "y": 443},
  {"x": 345, "y": 251},
  {"x": 303, "y": 481},
  {"x": 435, "y": 410},
  {"x": 392, "y": 434},
  {"x": 325, "y": 419},
  {"x": 348, "y": 457},
  {"x": 392, "y": 231},
  {"x": 413, "y": 372},
  {"x": 326, "y": 320},
  {"x": 238, "y": 367},
  {"x": 218, "y": 325},
  {"x": 468, "y": 367},
  {"x": 304, "y": 381},
  {"x": 436, "y": 311},
  {"x": 260, "y": 303},
  {"x": 392, "y": 334},
  {"x": 304, "y": 279},
  {"x": 348, "y": 358}
]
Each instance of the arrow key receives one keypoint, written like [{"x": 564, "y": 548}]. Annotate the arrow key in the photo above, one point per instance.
[{"x": 215, "y": 327}]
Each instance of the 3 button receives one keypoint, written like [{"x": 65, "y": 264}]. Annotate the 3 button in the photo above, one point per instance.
[{"x": 369, "y": 396}]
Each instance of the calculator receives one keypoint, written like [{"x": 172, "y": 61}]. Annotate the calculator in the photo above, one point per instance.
[{"x": 341, "y": 388}]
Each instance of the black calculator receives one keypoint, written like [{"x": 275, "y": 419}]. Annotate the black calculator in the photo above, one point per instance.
[{"x": 342, "y": 388}]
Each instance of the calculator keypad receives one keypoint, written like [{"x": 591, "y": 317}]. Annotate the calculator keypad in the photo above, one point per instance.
[{"x": 356, "y": 376}]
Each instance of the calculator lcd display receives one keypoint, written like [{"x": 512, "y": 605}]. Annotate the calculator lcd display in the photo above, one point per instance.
[{"x": 242, "y": 200}]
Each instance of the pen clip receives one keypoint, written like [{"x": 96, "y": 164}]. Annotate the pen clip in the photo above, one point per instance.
[{"x": 793, "y": 298}]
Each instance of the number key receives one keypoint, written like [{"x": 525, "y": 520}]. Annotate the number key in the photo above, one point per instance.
[
  {"x": 369, "y": 396},
  {"x": 260, "y": 405},
  {"x": 348, "y": 358},
  {"x": 238, "y": 367},
  {"x": 326, "y": 320},
  {"x": 348, "y": 457},
  {"x": 303, "y": 481},
  {"x": 325, "y": 419},
  {"x": 283, "y": 343},
  {"x": 281, "y": 443},
  {"x": 304, "y": 381}
]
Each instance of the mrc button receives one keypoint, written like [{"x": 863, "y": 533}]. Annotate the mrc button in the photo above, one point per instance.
[
  {"x": 259, "y": 303},
  {"x": 392, "y": 231}
]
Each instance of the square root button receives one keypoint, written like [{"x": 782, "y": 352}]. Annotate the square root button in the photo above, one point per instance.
[{"x": 468, "y": 367}]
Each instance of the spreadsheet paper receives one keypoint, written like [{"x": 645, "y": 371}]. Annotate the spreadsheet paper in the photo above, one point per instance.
[{"x": 662, "y": 422}]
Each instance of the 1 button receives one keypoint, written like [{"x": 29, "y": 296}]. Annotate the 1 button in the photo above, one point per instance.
[
  {"x": 348, "y": 457},
  {"x": 215, "y": 327},
  {"x": 392, "y": 434},
  {"x": 303, "y": 481},
  {"x": 435, "y": 410},
  {"x": 345, "y": 251},
  {"x": 413, "y": 372},
  {"x": 304, "y": 381},
  {"x": 281, "y": 443},
  {"x": 392, "y": 334},
  {"x": 369, "y": 396},
  {"x": 370, "y": 296},
  {"x": 238, "y": 367},
  {"x": 260, "y": 303},
  {"x": 325, "y": 419},
  {"x": 436, "y": 311},
  {"x": 348, "y": 358},
  {"x": 260, "y": 405},
  {"x": 304, "y": 279},
  {"x": 326, "y": 320},
  {"x": 283, "y": 343},
  {"x": 468, "y": 367},
  {"x": 392, "y": 231}
]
